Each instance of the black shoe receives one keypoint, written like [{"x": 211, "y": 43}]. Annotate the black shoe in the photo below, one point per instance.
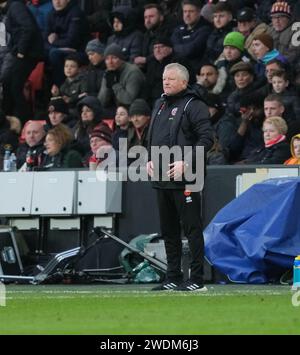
[
  {"x": 191, "y": 286},
  {"x": 166, "y": 286}
]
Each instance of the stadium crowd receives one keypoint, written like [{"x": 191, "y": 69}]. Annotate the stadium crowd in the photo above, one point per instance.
[{"x": 77, "y": 75}]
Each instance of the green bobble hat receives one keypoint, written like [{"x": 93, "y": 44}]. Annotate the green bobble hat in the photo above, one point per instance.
[{"x": 234, "y": 39}]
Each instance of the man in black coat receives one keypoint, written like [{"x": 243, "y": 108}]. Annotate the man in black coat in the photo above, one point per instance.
[
  {"x": 68, "y": 31},
  {"x": 179, "y": 120},
  {"x": 32, "y": 150},
  {"x": 162, "y": 55},
  {"x": 25, "y": 51}
]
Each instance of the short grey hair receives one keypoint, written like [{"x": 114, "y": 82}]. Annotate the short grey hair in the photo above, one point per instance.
[{"x": 181, "y": 70}]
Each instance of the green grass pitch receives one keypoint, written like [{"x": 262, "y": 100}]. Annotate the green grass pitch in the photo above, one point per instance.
[{"x": 134, "y": 309}]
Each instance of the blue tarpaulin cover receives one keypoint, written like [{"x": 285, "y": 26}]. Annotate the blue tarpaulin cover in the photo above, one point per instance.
[{"x": 255, "y": 237}]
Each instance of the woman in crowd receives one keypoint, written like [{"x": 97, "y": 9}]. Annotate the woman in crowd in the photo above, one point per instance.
[
  {"x": 91, "y": 116},
  {"x": 58, "y": 153},
  {"x": 276, "y": 149}
]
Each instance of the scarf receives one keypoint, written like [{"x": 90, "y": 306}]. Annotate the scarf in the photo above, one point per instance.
[{"x": 280, "y": 138}]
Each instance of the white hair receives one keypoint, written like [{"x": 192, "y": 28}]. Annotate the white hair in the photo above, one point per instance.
[{"x": 181, "y": 70}]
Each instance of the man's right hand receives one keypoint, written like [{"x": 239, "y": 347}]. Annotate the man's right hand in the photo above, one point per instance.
[{"x": 150, "y": 168}]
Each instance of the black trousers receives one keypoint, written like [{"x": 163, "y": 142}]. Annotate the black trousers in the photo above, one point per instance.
[
  {"x": 178, "y": 210},
  {"x": 13, "y": 79}
]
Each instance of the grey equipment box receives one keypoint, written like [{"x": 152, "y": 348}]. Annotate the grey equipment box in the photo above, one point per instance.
[
  {"x": 53, "y": 193},
  {"x": 12, "y": 247},
  {"x": 16, "y": 193},
  {"x": 99, "y": 192}
]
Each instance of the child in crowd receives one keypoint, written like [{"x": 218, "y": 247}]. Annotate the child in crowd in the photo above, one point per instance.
[
  {"x": 74, "y": 88},
  {"x": 280, "y": 85},
  {"x": 295, "y": 151},
  {"x": 280, "y": 81},
  {"x": 122, "y": 125}
]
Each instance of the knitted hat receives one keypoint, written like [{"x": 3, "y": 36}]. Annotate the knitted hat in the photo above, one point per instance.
[
  {"x": 266, "y": 39},
  {"x": 245, "y": 14},
  {"x": 139, "y": 107},
  {"x": 242, "y": 66},
  {"x": 163, "y": 40},
  {"x": 207, "y": 12},
  {"x": 281, "y": 8},
  {"x": 95, "y": 46},
  {"x": 103, "y": 132},
  {"x": 57, "y": 104},
  {"x": 234, "y": 39},
  {"x": 114, "y": 49}
]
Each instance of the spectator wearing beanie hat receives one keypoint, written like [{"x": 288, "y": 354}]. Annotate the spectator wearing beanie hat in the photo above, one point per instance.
[
  {"x": 122, "y": 82},
  {"x": 95, "y": 71},
  {"x": 234, "y": 39},
  {"x": 100, "y": 139},
  {"x": 282, "y": 32},
  {"x": 95, "y": 46},
  {"x": 58, "y": 112},
  {"x": 249, "y": 25},
  {"x": 233, "y": 52},
  {"x": 139, "y": 113},
  {"x": 263, "y": 50}
]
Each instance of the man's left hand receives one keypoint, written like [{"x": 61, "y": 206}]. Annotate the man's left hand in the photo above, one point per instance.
[{"x": 177, "y": 169}]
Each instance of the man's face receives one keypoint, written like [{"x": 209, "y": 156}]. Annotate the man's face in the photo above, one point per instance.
[
  {"x": 270, "y": 69},
  {"x": 34, "y": 133},
  {"x": 60, "y": 4},
  {"x": 191, "y": 15},
  {"x": 245, "y": 27},
  {"x": 242, "y": 79},
  {"x": 221, "y": 19},
  {"x": 139, "y": 121},
  {"x": 273, "y": 108},
  {"x": 95, "y": 58},
  {"x": 208, "y": 76},
  {"x": 231, "y": 53},
  {"x": 280, "y": 22},
  {"x": 160, "y": 51},
  {"x": 152, "y": 18},
  {"x": 112, "y": 62},
  {"x": 173, "y": 83}
]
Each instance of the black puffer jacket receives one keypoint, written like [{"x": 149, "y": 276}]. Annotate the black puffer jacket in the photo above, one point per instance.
[
  {"x": 71, "y": 26},
  {"x": 180, "y": 120},
  {"x": 26, "y": 37}
]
